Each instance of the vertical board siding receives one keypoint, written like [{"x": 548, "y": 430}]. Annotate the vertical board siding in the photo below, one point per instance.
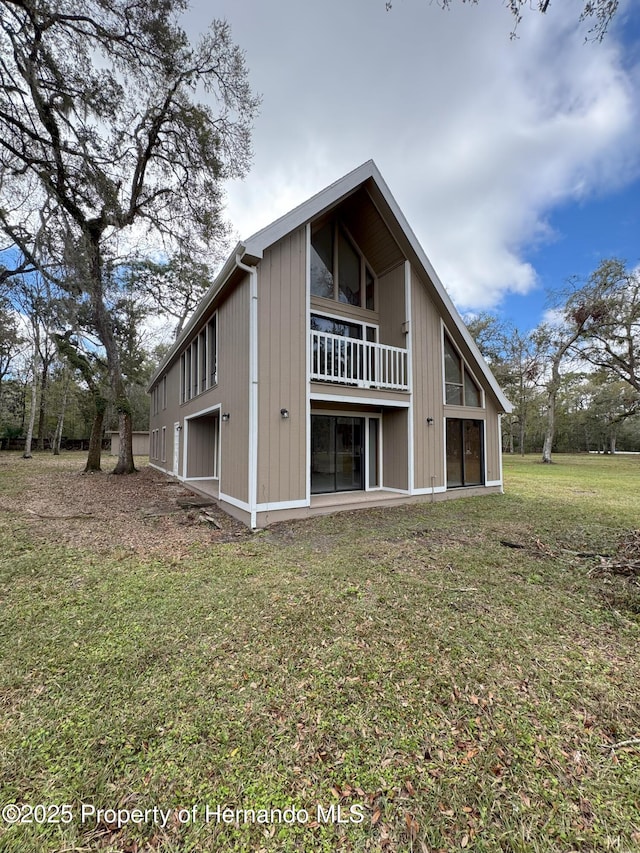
[
  {"x": 391, "y": 307},
  {"x": 395, "y": 455},
  {"x": 492, "y": 442},
  {"x": 427, "y": 388},
  {"x": 282, "y": 377},
  {"x": 233, "y": 391}
]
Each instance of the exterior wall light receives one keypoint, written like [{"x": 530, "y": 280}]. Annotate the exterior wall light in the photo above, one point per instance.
[
  {"x": 284, "y": 413},
  {"x": 225, "y": 416},
  {"x": 429, "y": 421}
]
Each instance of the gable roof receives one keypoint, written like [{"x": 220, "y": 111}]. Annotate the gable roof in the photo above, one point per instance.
[{"x": 252, "y": 250}]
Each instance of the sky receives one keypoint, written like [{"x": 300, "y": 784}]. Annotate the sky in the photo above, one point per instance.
[{"x": 516, "y": 161}]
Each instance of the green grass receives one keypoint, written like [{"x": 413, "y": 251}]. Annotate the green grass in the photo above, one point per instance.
[{"x": 403, "y": 661}]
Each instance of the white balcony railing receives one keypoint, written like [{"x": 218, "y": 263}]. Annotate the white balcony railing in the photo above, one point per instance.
[{"x": 349, "y": 361}]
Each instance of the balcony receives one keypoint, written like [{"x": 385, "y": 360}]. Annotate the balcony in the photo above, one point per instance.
[{"x": 362, "y": 364}]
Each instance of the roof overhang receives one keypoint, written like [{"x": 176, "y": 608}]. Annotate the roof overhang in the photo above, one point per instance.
[{"x": 251, "y": 251}]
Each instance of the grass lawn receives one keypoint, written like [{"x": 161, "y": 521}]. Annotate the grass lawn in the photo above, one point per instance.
[{"x": 444, "y": 690}]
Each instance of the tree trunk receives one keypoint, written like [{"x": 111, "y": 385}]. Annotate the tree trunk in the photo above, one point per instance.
[
  {"x": 32, "y": 413},
  {"x": 42, "y": 414},
  {"x": 95, "y": 439},
  {"x": 553, "y": 386},
  {"x": 125, "y": 464},
  {"x": 105, "y": 332},
  {"x": 57, "y": 439},
  {"x": 551, "y": 426}
]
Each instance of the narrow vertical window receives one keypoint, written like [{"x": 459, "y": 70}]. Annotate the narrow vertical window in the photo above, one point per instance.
[
  {"x": 187, "y": 374},
  {"x": 322, "y": 262},
  {"x": 212, "y": 350},
  {"x": 202, "y": 352},
  {"x": 348, "y": 272},
  {"x": 194, "y": 368}
]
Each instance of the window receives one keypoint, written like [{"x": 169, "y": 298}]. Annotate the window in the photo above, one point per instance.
[
  {"x": 465, "y": 463},
  {"x": 202, "y": 368},
  {"x": 154, "y": 401},
  {"x": 337, "y": 360},
  {"x": 199, "y": 363},
  {"x": 460, "y": 387},
  {"x": 164, "y": 391},
  {"x": 212, "y": 350},
  {"x": 163, "y": 444},
  {"x": 338, "y": 268}
]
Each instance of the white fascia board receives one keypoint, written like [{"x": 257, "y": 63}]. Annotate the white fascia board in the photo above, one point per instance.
[
  {"x": 219, "y": 282},
  {"x": 256, "y": 244},
  {"x": 313, "y": 207},
  {"x": 309, "y": 209},
  {"x": 440, "y": 289}
]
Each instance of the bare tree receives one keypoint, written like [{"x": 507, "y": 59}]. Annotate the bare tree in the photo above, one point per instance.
[{"x": 599, "y": 13}]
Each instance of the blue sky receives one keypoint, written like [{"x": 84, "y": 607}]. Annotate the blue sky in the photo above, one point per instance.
[
  {"x": 585, "y": 233},
  {"x": 516, "y": 162}
]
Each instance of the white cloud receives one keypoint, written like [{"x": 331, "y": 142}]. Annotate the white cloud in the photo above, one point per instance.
[{"x": 478, "y": 136}]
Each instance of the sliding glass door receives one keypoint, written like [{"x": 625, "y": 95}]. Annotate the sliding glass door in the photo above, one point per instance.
[
  {"x": 465, "y": 457},
  {"x": 337, "y": 454}
]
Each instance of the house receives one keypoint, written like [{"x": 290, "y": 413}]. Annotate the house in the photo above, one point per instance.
[
  {"x": 326, "y": 368},
  {"x": 140, "y": 443}
]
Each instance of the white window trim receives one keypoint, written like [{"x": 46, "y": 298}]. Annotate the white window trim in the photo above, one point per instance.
[
  {"x": 218, "y": 457},
  {"x": 337, "y": 224},
  {"x": 356, "y": 413},
  {"x": 465, "y": 366},
  {"x": 194, "y": 365},
  {"x": 342, "y": 319}
]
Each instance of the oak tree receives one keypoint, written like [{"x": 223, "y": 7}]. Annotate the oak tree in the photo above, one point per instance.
[{"x": 114, "y": 129}]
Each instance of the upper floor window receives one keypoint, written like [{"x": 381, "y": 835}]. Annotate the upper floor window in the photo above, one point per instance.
[
  {"x": 338, "y": 269},
  {"x": 199, "y": 362},
  {"x": 460, "y": 387}
]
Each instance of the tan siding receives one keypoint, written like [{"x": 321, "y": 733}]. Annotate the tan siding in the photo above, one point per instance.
[
  {"x": 282, "y": 454},
  {"x": 395, "y": 458},
  {"x": 492, "y": 442},
  {"x": 428, "y": 391},
  {"x": 201, "y": 446},
  {"x": 352, "y": 312},
  {"x": 233, "y": 391},
  {"x": 359, "y": 395},
  {"x": 428, "y": 397},
  {"x": 231, "y": 394},
  {"x": 140, "y": 442},
  {"x": 391, "y": 307}
]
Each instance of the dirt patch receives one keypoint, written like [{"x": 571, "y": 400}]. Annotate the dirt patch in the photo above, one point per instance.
[{"x": 144, "y": 513}]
